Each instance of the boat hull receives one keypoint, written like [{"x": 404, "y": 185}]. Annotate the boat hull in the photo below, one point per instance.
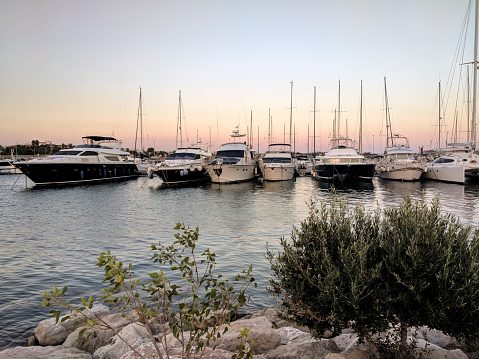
[
  {"x": 55, "y": 173},
  {"x": 182, "y": 176},
  {"x": 401, "y": 174},
  {"x": 231, "y": 173},
  {"x": 344, "y": 172},
  {"x": 278, "y": 173},
  {"x": 437, "y": 172}
]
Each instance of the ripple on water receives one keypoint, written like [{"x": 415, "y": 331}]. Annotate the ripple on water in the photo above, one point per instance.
[{"x": 53, "y": 236}]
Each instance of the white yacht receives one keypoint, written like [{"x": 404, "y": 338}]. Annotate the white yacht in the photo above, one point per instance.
[
  {"x": 234, "y": 162},
  {"x": 456, "y": 162},
  {"x": 99, "y": 159},
  {"x": 278, "y": 163},
  {"x": 399, "y": 162}
]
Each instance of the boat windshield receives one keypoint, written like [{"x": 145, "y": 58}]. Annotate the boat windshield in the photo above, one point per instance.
[
  {"x": 67, "y": 153},
  {"x": 183, "y": 156},
  {"x": 276, "y": 160},
  {"x": 230, "y": 153}
]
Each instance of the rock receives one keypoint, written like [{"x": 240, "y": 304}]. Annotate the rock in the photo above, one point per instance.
[
  {"x": 49, "y": 352},
  {"x": 93, "y": 339},
  {"x": 352, "y": 353},
  {"x": 272, "y": 315},
  {"x": 48, "y": 332},
  {"x": 345, "y": 341},
  {"x": 289, "y": 334},
  {"x": 32, "y": 341},
  {"x": 134, "y": 334},
  {"x": 314, "y": 350},
  {"x": 263, "y": 333},
  {"x": 440, "y": 339}
]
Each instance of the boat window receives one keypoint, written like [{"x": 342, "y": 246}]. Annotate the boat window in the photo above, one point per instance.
[
  {"x": 67, "y": 153},
  {"x": 230, "y": 153},
  {"x": 276, "y": 160},
  {"x": 181, "y": 156},
  {"x": 443, "y": 160},
  {"x": 112, "y": 158},
  {"x": 89, "y": 153}
]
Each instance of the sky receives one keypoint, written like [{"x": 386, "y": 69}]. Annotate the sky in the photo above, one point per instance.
[{"x": 72, "y": 68}]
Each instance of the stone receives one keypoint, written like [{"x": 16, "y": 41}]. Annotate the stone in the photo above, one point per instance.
[
  {"x": 48, "y": 352},
  {"x": 345, "y": 341},
  {"x": 48, "y": 332},
  {"x": 288, "y": 334},
  {"x": 352, "y": 353},
  {"x": 314, "y": 350},
  {"x": 94, "y": 338},
  {"x": 134, "y": 334},
  {"x": 263, "y": 333}
]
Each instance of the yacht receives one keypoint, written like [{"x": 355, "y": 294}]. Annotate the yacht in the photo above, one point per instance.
[
  {"x": 98, "y": 159},
  {"x": 455, "y": 162},
  {"x": 304, "y": 165},
  {"x": 399, "y": 162},
  {"x": 278, "y": 163},
  {"x": 234, "y": 162},
  {"x": 343, "y": 163},
  {"x": 185, "y": 166}
]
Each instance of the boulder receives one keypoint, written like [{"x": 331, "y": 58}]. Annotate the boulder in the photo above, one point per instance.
[
  {"x": 48, "y": 332},
  {"x": 304, "y": 350},
  {"x": 440, "y": 339},
  {"x": 345, "y": 341},
  {"x": 134, "y": 334},
  {"x": 352, "y": 353},
  {"x": 93, "y": 339},
  {"x": 49, "y": 352},
  {"x": 288, "y": 334},
  {"x": 263, "y": 333}
]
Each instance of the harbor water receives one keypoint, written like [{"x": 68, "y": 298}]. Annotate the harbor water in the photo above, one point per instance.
[{"x": 52, "y": 236}]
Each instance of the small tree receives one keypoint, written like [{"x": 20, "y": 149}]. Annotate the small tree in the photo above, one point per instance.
[
  {"x": 405, "y": 266},
  {"x": 193, "y": 314}
]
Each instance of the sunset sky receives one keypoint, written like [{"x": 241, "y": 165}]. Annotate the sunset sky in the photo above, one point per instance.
[{"x": 71, "y": 68}]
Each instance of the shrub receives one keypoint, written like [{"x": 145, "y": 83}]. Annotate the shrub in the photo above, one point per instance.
[
  {"x": 192, "y": 313},
  {"x": 401, "y": 267}
]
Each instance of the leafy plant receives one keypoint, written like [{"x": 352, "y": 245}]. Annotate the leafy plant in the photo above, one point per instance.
[
  {"x": 245, "y": 347},
  {"x": 192, "y": 313},
  {"x": 405, "y": 266}
]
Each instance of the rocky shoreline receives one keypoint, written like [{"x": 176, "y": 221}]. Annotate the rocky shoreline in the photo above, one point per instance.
[{"x": 273, "y": 338}]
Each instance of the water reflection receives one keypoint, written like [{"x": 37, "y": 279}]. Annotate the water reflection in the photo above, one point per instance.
[{"x": 55, "y": 235}]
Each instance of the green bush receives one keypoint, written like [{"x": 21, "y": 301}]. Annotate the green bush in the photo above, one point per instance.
[
  {"x": 193, "y": 313},
  {"x": 400, "y": 267}
]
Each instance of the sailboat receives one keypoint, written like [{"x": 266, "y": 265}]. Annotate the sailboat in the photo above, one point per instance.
[
  {"x": 278, "y": 163},
  {"x": 187, "y": 165},
  {"x": 342, "y": 162},
  {"x": 142, "y": 162},
  {"x": 399, "y": 162}
]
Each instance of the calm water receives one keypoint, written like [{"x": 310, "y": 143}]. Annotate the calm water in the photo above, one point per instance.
[{"x": 53, "y": 236}]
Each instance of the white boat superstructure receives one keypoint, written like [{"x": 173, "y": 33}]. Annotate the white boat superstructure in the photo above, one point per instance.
[
  {"x": 278, "y": 163},
  {"x": 234, "y": 162},
  {"x": 399, "y": 162}
]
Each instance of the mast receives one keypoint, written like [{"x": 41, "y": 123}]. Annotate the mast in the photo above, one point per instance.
[
  {"x": 474, "y": 88},
  {"x": 389, "y": 131},
  {"x": 439, "y": 138},
  {"x": 141, "y": 124},
  {"x": 178, "y": 129},
  {"x": 291, "y": 114},
  {"x": 468, "y": 138},
  {"x": 339, "y": 108},
  {"x": 137, "y": 122},
  {"x": 314, "y": 126},
  {"x": 361, "y": 121},
  {"x": 269, "y": 126}
]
